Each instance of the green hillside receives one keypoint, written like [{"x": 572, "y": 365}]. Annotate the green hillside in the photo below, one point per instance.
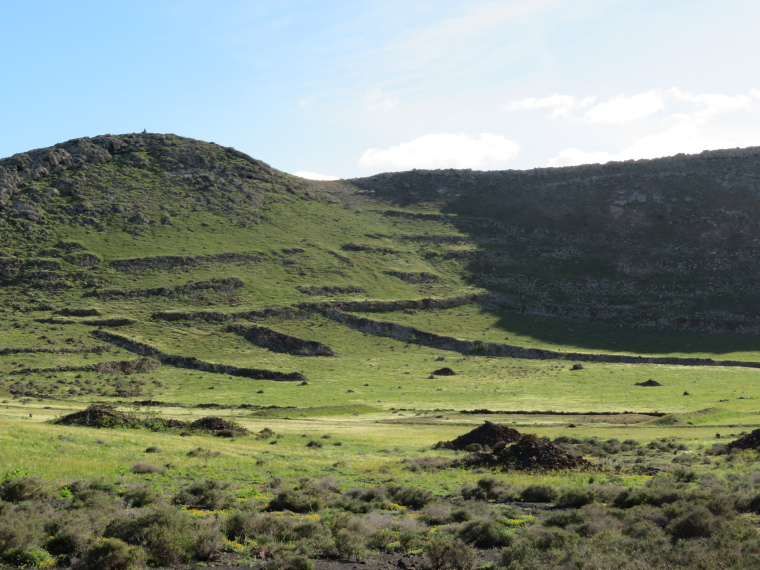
[{"x": 355, "y": 324}]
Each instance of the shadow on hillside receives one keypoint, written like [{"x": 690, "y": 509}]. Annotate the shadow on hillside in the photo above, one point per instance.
[{"x": 587, "y": 335}]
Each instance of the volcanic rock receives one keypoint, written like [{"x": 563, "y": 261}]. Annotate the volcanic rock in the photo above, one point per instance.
[
  {"x": 531, "y": 453},
  {"x": 749, "y": 441},
  {"x": 489, "y": 435}
]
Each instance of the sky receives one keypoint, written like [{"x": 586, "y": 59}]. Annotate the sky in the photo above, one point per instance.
[{"x": 350, "y": 88}]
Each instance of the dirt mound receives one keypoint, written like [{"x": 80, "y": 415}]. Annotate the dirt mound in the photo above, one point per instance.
[
  {"x": 531, "y": 453},
  {"x": 648, "y": 383},
  {"x": 212, "y": 423},
  {"x": 749, "y": 441},
  {"x": 487, "y": 435},
  {"x": 445, "y": 371},
  {"x": 101, "y": 416}
]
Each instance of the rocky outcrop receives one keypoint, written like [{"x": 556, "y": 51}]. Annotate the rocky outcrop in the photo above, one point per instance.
[
  {"x": 303, "y": 309},
  {"x": 220, "y": 285},
  {"x": 121, "y": 366},
  {"x": 413, "y": 276},
  {"x": 194, "y": 363},
  {"x": 328, "y": 290},
  {"x": 100, "y": 349},
  {"x": 164, "y": 262},
  {"x": 412, "y": 335},
  {"x": 278, "y": 342},
  {"x": 112, "y": 322}
]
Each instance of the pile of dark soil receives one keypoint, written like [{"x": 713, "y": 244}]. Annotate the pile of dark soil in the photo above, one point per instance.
[
  {"x": 107, "y": 416},
  {"x": 212, "y": 423},
  {"x": 531, "y": 453},
  {"x": 487, "y": 435},
  {"x": 749, "y": 441},
  {"x": 445, "y": 371},
  {"x": 101, "y": 416},
  {"x": 649, "y": 383}
]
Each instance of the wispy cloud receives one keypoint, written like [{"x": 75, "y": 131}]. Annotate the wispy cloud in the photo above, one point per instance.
[
  {"x": 561, "y": 105},
  {"x": 443, "y": 150},
  {"x": 377, "y": 101},
  {"x": 688, "y": 131}
]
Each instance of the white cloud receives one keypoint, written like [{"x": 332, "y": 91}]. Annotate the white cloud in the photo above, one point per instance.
[
  {"x": 697, "y": 125},
  {"x": 443, "y": 150},
  {"x": 315, "y": 175},
  {"x": 711, "y": 104},
  {"x": 378, "y": 102},
  {"x": 561, "y": 105},
  {"x": 686, "y": 136},
  {"x": 626, "y": 109}
]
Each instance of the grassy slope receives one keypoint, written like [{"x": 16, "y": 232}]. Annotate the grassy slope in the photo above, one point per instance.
[{"x": 384, "y": 374}]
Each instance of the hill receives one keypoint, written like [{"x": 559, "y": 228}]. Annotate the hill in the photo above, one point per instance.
[{"x": 196, "y": 256}]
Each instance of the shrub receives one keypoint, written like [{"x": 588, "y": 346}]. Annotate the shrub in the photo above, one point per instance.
[
  {"x": 110, "y": 554},
  {"x": 164, "y": 532},
  {"x": 202, "y": 452},
  {"x": 295, "y": 501},
  {"x": 208, "y": 494},
  {"x": 145, "y": 467},
  {"x": 248, "y": 525},
  {"x": 696, "y": 521},
  {"x": 575, "y": 498},
  {"x": 69, "y": 535},
  {"x": 208, "y": 539},
  {"x": 15, "y": 490},
  {"x": 349, "y": 543},
  {"x": 485, "y": 534},
  {"x": 538, "y": 494},
  {"x": 413, "y": 497},
  {"x": 28, "y": 557},
  {"x": 289, "y": 561},
  {"x": 449, "y": 553},
  {"x": 140, "y": 496}
]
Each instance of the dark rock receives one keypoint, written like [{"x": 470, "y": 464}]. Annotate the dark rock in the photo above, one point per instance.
[
  {"x": 749, "y": 441},
  {"x": 649, "y": 383},
  {"x": 488, "y": 435}
]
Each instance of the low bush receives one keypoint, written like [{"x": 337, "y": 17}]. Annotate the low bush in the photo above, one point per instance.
[
  {"x": 449, "y": 553},
  {"x": 208, "y": 494},
  {"x": 575, "y": 498},
  {"x": 144, "y": 467},
  {"x": 538, "y": 494},
  {"x": 295, "y": 501},
  {"x": 485, "y": 533},
  {"x": 33, "y": 556},
  {"x": 412, "y": 497},
  {"x": 110, "y": 554},
  {"x": 165, "y": 533},
  {"x": 15, "y": 490},
  {"x": 140, "y": 496}
]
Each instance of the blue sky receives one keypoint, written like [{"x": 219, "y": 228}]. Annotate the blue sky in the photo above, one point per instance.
[{"x": 350, "y": 88}]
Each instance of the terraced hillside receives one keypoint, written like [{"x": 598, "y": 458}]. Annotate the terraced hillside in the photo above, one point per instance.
[
  {"x": 670, "y": 243},
  {"x": 200, "y": 258}
]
